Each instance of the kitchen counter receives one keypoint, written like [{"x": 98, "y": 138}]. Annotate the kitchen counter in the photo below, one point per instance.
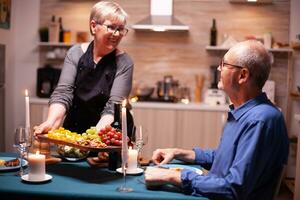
[
  {"x": 180, "y": 106},
  {"x": 158, "y": 105}
]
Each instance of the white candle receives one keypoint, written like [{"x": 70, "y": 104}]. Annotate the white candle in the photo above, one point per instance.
[
  {"x": 132, "y": 159},
  {"x": 124, "y": 136},
  {"x": 36, "y": 164},
  {"x": 27, "y": 112}
]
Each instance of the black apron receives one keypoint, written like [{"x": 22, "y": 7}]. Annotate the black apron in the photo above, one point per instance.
[{"x": 92, "y": 90}]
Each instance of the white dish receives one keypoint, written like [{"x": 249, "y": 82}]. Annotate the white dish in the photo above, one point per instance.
[
  {"x": 47, "y": 178},
  {"x": 131, "y": 172},
  {"x": 73, "y": 159},
  {"x": 178, "y": 166},
  {"x": 4, "y": 168}
]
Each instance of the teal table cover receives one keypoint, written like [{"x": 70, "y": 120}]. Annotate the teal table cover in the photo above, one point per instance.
[{"x": 77, "y": 180}]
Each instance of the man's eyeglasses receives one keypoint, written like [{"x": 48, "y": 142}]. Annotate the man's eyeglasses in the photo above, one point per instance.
[
  {"x": 222, "y": 64},
  {"x": 113, "y": 29}
]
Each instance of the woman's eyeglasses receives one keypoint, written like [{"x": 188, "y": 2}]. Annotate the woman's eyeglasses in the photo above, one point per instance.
[
  {"x": 222, "y": 64},
  {"x": 113, "y": 29}
]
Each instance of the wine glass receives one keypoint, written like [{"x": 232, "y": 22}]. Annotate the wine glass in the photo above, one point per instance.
[
  {"x": 22, "y": 143},
  {"x": 139, "y": 138}
]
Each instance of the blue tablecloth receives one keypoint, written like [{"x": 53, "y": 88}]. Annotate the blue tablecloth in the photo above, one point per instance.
[{"x": 77, "y": 180}]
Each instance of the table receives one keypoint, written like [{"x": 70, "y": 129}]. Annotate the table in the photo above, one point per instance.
[{"x": 77, "y": 180}]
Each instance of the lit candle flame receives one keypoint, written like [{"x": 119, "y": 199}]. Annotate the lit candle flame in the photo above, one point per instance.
[
  {"x": 124, "y": 103},
  {"x": 37, "y": 152},
  {"x": 130, "y": 147},
  {"x": 26, "y": 93}
]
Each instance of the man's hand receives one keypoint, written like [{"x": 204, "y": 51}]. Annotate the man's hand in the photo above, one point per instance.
[
  {"x": 155, "y": 176},
  {"x": 163, "y": 156}
]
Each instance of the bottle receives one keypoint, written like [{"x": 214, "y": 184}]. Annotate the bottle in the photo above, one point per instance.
[
  {"x": 53, "y": 30},
  {"x": 213, "y": 34},
  {"x": 61, "y": 30},
  {"x": 117, "y": 123},
  {"x": 267, "y": 40}
]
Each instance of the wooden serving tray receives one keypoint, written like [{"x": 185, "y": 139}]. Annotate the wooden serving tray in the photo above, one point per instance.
[{"x": 85, "y": 148}]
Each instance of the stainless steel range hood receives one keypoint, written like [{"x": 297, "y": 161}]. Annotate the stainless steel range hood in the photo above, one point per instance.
[{"x": 161, "y": 18}]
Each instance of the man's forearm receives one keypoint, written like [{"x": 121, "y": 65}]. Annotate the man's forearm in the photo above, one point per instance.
[{"x": 185, "y": 155}]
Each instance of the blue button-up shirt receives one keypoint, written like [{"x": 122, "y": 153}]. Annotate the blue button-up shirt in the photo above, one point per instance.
[{"x": 248, "y": 162}]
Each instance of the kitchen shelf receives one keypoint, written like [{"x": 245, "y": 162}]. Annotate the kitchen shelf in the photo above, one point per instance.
[
  {"x": 55, "y": 44},
  {"x": 295, "y": 45},
  {"x": 219, "y": 48},
  {"x": 295, "y": 95}
]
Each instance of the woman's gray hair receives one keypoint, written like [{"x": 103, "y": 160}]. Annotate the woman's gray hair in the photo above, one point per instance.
[
  {"x": 253, "y": 55},
  {"x": 107, "y": 10}
]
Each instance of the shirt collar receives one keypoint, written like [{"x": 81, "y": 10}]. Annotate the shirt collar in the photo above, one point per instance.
[{"x": 241, "y": 110}]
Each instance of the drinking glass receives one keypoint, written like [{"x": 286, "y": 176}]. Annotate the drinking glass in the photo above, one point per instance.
[
  {"x": 22, "y": 143},
  {"x": 139, "y": 138}
]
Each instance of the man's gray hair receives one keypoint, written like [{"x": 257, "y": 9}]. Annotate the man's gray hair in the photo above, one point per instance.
[{"x": 253, "y": 55}]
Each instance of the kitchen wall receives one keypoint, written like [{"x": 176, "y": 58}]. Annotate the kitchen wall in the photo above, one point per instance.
[{"x": 183, "y": 54}]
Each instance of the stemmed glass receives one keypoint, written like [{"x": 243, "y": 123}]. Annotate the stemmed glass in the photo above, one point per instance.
[
  {"x": 139, "y": 138},
  {"x": 22, "y": 143}
]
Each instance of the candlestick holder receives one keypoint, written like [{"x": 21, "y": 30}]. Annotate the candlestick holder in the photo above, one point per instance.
[{"x": 124, "y": 188}]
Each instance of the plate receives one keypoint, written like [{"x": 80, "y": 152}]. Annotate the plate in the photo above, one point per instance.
[
  {"x": 131, "y": 172},
  {"x": 44, "y": 137},
  {"x": 4, "y": 168},
  {"x": 47, "y": 178},
  {"x": 71, "y": 153},
  {"x": 179, "y": 167},
  {"x": 73, "y": 159}
]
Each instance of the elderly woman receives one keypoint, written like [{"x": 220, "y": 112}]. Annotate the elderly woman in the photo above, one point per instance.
[{"x": 94, "y": 76}]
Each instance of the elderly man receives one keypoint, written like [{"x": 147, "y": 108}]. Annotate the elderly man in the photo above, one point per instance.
[{"x": 254, "y": 144}]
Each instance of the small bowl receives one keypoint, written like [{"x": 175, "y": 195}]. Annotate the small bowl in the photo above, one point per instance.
[
  {"x": 71, "y": 153},
  {"x": 145, "y": 92}
]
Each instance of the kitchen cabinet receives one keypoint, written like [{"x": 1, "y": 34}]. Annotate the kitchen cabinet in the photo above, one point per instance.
[{"x": 179, "y": 125}]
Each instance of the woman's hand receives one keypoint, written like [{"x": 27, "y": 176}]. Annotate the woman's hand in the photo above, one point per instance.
[
  {"x": 55, "y": 117},
  {"x": 45, "y": 127},
  {"x": 155, "y": 176}
]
